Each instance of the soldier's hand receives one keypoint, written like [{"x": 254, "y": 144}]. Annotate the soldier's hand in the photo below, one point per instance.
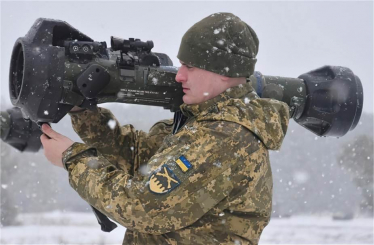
[{"x": 55, "y": 145}]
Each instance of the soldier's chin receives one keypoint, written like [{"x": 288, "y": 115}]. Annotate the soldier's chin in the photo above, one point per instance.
[
  {"x": 190, "y": 100},
  {"x": 186, "y": 99}
]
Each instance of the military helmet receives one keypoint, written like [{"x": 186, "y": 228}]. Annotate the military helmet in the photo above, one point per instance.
[{"x": 221, "y": 43}]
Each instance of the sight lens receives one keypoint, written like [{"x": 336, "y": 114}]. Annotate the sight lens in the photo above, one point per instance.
[{"x": 16, "y": 71}]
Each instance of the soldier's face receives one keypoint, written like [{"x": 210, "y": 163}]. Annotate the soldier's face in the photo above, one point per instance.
[{"x": 199, "y": 85}]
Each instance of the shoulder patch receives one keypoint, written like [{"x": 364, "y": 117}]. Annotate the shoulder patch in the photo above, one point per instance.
[
  {"x": 163, "y": 180},
  {"x": 183, "y": 164}
]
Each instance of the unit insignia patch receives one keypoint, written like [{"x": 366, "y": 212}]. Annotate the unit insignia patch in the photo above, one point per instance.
[{"x": 163, "y": 180}]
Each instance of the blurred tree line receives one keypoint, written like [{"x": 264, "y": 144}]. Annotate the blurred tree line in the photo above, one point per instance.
[
  {"x": 8, "y": 210},
  {"x": 311, "y": 174},
  {"x": 324, "y": 175},
  {"x": 357, "y": 159}
]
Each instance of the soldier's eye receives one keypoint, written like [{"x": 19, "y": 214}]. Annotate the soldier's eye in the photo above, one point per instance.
[{"x": 188, "y": 67}]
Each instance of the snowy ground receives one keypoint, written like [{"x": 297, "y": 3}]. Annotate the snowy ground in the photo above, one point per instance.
[{"x": 82, "y": 228}]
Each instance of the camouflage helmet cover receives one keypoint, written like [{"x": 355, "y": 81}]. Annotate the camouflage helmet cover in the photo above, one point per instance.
[{"x": 221, "y": 43}]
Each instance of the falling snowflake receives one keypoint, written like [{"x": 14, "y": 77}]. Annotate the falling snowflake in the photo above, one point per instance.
[
  {"x": 216, "y": 31},
  {"x": 300, "y": 177},
  {"x": 144, "y": 170},
  {"x": 112, "y": 124},
  {"x": 220, "y": 42},
  {"x": 37, "y": 51}
]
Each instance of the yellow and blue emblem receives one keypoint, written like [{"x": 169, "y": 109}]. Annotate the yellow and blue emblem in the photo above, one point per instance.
[
  {"x": 163, "y": 180},
  {"x": 183, "y": 163}
]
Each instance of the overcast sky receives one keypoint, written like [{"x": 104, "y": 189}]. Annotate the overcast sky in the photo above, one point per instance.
[{"x": 295, "y": 37}]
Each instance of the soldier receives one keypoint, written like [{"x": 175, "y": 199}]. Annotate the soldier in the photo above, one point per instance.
[{"x": 203, "y": 178}]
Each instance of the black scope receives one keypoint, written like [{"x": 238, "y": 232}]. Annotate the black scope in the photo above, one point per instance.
[{"x": 131, "y": 44}]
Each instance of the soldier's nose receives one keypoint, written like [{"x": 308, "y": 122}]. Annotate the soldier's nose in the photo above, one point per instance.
[{"x": 181, "y": 76}]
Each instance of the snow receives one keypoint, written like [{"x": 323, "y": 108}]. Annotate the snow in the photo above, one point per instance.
[
  {"x": 301, "y": 177},
  {"x": 82, "y": 228},
  {"x": 36, "y": 51},
  {"x": 220, "y": 42},
  {"x": 216, "y": 31},
  {"x": 144, "y": 170},
  {"x": 314, "y": 229},
  {"x": 112, "y": 124},
  {"x": 58, "y": 227}
]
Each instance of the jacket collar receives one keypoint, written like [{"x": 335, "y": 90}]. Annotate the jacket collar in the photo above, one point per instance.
[{"x": 233, "y": 92}]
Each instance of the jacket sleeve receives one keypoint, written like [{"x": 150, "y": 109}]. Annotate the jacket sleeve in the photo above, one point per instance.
[
  {"x": 124, "y": 146},
  {"x": 167, "y": 197}
]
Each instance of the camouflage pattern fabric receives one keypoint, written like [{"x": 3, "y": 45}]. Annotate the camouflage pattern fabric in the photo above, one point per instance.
[
  {"x": 124, "y": 146},
  {"x": 209, "y": 183}
]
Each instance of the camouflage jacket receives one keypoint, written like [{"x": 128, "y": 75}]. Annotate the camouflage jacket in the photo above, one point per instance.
[{"x": 209, "y": 183}]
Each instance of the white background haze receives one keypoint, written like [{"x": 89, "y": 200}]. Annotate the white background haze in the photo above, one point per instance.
[{"x": 295, "y": 37}]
